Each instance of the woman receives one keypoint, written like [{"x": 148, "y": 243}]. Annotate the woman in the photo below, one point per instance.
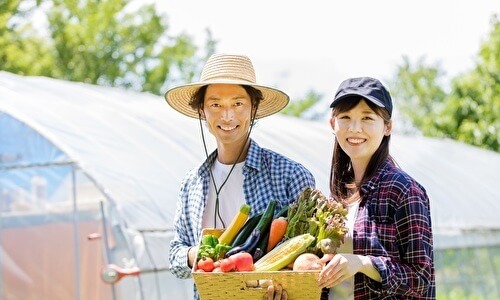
[{"x": 388, "y": 252}]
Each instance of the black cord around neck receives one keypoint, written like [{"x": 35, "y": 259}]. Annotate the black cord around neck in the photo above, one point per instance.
[{"x": 218, "y": 190}]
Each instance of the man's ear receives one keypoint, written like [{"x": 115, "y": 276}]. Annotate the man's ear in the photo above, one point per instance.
[
  {"x": 253, "y": 115},
  {"x": 201, "y": 113}
]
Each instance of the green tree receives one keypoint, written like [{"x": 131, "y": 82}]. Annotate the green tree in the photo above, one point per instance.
[
  {"x": 299, "y": 107},
  {"x": 418, "y": 93},
  {"x": 103, "y": 42},
  {"x": 469, "y": 112},
  {"x": 472, "y": 111},
  {"x": 23, "y": 51}
]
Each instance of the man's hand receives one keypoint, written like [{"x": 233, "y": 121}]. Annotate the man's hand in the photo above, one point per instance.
[
  {"x": 275, "y": 293},
  {"x": 192, "y": 252}
]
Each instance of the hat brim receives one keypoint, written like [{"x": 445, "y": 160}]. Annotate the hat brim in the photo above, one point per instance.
[{"x": 179, "y": 97}]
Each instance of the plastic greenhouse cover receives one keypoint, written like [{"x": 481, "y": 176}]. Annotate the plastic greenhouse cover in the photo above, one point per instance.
[
  {"x": 138, "y": 149},
  {"x": 132, "y": 150}
]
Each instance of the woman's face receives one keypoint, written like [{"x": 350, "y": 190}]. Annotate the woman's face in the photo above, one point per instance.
[
  {"x": 359, "y": 132},
  {"x": 227, "y": 109}
]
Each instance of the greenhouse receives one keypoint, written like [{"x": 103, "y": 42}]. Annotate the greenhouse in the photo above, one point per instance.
[{"x": 89, "y": 177}]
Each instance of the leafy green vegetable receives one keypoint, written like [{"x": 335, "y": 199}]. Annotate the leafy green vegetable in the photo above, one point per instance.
[
  {"x": 206, "y": 251},
  {"x": 319, "y": 216},
  {"x": 300, "y": 213},
  {"x": 210, "y": 247}
]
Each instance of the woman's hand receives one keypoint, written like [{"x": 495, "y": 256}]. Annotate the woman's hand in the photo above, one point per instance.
[
  {"x": 275, "y": 293},
  {"x": 338, "y": 267}
]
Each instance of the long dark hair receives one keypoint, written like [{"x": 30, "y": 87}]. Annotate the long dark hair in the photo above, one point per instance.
[{"x": 342, "y": 173}]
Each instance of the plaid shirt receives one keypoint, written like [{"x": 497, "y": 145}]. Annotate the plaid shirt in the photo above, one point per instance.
[
  {"x": 268, "y": 175},
  {"x": 393, "y": 228}
]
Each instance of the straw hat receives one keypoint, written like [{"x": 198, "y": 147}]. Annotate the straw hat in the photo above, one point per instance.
[{"x": 227, "y": 69}]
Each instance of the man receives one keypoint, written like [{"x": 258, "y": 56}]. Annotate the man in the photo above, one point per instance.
[{"x": 239, "y": 171}]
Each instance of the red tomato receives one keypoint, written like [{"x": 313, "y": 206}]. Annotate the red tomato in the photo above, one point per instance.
[
  {"x": 217, "y": 264},
  {"x": 243, "y": 261},
  {"x": 227, "y": 265},
  {"x": 206, "y": 264}
]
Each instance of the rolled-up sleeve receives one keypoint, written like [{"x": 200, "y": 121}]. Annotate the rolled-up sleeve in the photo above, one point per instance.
[{"x": 183, "y": 237}]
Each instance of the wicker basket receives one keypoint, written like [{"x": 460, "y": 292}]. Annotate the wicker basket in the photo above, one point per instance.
[{"x": 253, "y": 285}]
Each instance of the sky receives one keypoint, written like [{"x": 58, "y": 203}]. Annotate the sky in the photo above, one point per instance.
[{"x": 299, "y": 46}]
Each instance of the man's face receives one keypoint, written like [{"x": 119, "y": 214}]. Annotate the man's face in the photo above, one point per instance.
[{"x": 227, "y": 109}]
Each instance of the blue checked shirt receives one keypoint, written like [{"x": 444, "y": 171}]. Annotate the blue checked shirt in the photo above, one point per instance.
[
  {"x": 268, "y": 176},
  {"x": 393, "y": 228}
]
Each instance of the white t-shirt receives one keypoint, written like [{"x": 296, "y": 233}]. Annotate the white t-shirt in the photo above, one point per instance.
[
  {"x": 345, "y": 290},
  {"x": 231, "y": 196}
]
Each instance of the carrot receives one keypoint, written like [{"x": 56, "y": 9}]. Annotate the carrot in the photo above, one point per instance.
[{"x": 276, "y": 232}]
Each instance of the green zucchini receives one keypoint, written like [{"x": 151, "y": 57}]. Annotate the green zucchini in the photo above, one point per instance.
[
  {"x": 247, "y": 228},
  {"x": 267, "y": 217},
  {"x": 251, "y": 242},
  {"x": 283, "y": 212}
]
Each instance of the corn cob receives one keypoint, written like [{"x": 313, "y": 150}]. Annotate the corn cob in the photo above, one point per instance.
[
  {"x": 239, "y": 219},
  {"x": 284, "y": 253}
]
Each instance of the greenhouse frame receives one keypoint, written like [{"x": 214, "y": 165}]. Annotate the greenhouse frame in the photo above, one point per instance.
[{"x": 89, "y": 177}]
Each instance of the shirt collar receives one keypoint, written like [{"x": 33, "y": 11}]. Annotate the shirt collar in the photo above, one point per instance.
[
  {"x": 253, "y": 157},
  {"x": 204, "y": 169},
  {"x": 251, "y": 161}
]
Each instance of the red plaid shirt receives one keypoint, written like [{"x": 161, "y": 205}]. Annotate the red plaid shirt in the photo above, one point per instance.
[{"x": 393, "y": 228}]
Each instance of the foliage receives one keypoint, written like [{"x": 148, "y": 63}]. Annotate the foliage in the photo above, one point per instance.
[
  {"x": 104, "y": 42},
  {"x": 474, "y": 101},
  {"x": 419, "y": 93},
  {"x": 469, "y": 111},
  {"x": 299, "y": 107},
  {"x": 467, "y": 273},
  {"x": 23, "y": 52}
]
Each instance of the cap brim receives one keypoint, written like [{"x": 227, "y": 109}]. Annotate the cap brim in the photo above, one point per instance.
[{"x": 370, "y": 98}]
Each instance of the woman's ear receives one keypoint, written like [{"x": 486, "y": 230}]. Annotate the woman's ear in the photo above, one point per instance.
[
  {"x": 388, "y": 128},
  {"x": 332, "y": 123}
]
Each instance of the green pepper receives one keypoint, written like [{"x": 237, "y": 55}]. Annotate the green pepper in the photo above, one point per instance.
[{"x": 210, "y": 240}]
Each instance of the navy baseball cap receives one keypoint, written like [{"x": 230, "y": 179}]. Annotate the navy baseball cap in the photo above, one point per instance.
[{"x": 366, "y": 87}]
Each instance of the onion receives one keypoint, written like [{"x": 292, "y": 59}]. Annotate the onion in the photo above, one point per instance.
[{"x": 307, "y": 262}]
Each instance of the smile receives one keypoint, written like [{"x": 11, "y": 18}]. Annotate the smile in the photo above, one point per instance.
[
  {"x": 355, "y": 141},
  {"x": 227, "y": 128}
]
